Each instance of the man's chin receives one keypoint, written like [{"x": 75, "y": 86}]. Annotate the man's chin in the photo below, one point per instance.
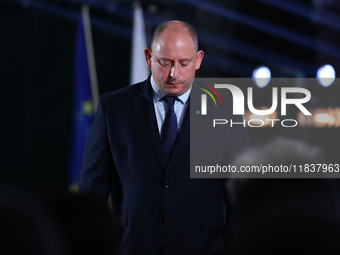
[{"x": 175, "y": 91}]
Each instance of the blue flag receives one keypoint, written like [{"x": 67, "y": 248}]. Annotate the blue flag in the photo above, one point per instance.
[{"x": 83, "y": 110}]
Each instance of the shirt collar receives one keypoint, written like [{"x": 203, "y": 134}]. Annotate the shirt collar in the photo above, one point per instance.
[{"x": 158, "y": 95}]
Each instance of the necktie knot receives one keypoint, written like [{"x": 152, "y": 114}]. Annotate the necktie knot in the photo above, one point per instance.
[{"x": 170, "y": 100}]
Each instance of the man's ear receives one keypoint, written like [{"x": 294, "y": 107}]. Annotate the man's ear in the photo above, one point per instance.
[
  {"x": 199, "y": 57},
  {"x": 148, "y": 55}
]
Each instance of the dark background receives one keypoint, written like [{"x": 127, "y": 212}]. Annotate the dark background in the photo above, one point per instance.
[{"x": 292, "y": 38}]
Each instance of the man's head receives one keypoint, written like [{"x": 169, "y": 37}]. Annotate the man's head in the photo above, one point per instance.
[{"x": 173, "y": 57}]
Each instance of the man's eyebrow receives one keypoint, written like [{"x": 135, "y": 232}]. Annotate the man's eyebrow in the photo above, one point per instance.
[
  {"x": 183, "y": 59},
  {"x": 166, "y": 59},
  {"x": 186, "y": 59}
]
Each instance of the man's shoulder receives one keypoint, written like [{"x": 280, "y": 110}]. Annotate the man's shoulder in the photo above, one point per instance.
[{"x": 125, "y": 92}]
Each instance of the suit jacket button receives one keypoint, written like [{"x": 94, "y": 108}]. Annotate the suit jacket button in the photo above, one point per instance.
[
  {"x": 159, "y": 217},
  {"x": 166, "y": 185}
]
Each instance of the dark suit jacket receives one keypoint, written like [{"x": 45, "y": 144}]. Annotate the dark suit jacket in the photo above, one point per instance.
[{"x": 156, "y": 206}]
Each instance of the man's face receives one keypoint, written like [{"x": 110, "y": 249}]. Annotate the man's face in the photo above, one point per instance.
[{"x": 173, "y": 61}]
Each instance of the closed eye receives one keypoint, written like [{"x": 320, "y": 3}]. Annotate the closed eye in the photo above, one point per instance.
[
  {"x": 185, "y": 62},
  {"x": 164, "y": 63}
]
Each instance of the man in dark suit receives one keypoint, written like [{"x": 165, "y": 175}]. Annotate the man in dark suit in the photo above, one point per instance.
[{"x": 130, "y": 153}]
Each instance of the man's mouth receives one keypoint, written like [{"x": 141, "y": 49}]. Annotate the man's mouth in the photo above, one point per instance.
[{"x": 174, "y": 83}]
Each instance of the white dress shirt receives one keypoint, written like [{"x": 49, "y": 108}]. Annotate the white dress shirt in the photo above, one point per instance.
[{"x": 161, "y": 107}]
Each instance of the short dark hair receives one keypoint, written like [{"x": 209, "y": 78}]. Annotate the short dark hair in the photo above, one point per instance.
[{"x": 160, "y": 29}]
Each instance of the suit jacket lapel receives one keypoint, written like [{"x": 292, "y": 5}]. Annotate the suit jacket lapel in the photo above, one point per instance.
[
  {"x": 183, "y": 139},
  {"x": 144, "y": 107}
]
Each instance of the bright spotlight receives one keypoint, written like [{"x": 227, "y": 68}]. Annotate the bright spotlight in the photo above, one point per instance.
[
  {"x": 325, "y": 75},
  {"x": 261, "y": 76},
  {"x": 322, "y": 117}
]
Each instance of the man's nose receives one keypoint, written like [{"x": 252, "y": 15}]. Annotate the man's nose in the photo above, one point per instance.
[{"x": 174, "y": 72}]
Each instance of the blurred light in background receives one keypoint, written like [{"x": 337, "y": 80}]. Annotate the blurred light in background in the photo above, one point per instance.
[
  {"x": 325, "y": 75},
  {"x": 261, "y": 76},
  {"x": 320, "y": 118}
]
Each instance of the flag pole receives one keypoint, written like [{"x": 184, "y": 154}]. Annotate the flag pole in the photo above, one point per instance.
[
  {"x": 90, "y": 55},
  {"x": 139, "y": 69}
]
